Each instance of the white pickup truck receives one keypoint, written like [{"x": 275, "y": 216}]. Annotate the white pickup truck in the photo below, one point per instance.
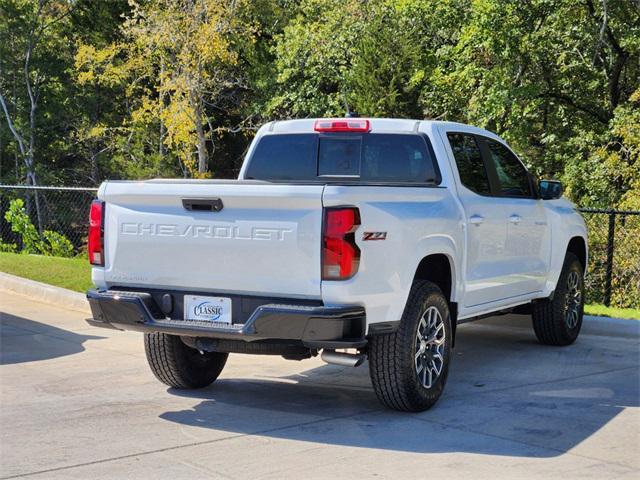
[{"x": 358, "y": 238}]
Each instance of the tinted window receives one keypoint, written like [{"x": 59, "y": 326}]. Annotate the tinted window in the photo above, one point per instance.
[
  {"x": 466, "y": 151},
  {"x": 371, "y": 158},
  {"x": 398, "y": 158},
  {"x": 284, "y": 157},
  {"x": 339, "y": 156},
  {"x": 512, "y": 175}
]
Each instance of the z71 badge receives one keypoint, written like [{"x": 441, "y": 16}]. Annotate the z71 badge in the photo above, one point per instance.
[{"x": 374, "y": 236}]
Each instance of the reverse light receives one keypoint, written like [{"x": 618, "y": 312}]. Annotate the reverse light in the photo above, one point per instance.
[
  {"x": 340, "y": 254},
  {"x": 342, "y": 125},
  {"x": 95, "y": 242}
]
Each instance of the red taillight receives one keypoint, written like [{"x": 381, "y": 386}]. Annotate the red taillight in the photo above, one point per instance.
[
  {"x": 340, "y": 254},
  {"x": 342, "y": 125},
  {"x": 96, "y": 233}
]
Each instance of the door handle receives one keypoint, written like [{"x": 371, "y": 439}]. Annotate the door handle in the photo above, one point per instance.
[
  {"x": 515, "y": 219},
  {"x": 202, "y": 204},
  {"x": 476, "y": 219}
]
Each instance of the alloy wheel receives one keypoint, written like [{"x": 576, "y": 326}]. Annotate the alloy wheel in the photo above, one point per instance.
[
  {"x": 573, "y": 300},
  {"x": 429, "y": 347}
]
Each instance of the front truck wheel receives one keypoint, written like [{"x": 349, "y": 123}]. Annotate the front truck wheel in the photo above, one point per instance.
[
  {"x": 409, "y": 367},
  {"x": 179, "y": 366},
  {"x": 558, "y": 321}
]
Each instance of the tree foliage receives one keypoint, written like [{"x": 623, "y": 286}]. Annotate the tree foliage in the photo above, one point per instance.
[
  {"x": 176, "y": 87},
  {"x": 49, "y": 243},
  {"x": 174, "y": 63}
]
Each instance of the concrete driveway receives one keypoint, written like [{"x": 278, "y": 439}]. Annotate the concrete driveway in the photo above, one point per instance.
[{"x": 79, "y": 402}]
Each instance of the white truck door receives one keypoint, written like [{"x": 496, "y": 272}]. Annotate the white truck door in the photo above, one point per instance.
[
  {"x": 486, "y": 270},
  {"x": 528, "y": 243}
]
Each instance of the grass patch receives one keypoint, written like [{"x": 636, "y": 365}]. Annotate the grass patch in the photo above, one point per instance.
[
  {"x": 603, "y": 311},
  {"x": 71, "y": 273}
]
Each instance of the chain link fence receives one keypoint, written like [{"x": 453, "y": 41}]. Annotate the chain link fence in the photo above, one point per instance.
[
  {"x": 614, "y": 257},
  {"x": 614, "y": 237},
  {"x": 63, "y": 210}
]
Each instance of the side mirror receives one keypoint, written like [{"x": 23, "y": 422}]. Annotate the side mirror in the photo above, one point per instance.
[{"x": 550, "y": 189}]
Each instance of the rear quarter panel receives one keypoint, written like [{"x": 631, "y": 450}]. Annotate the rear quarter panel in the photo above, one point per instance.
[{"x": 418, "y": 221}]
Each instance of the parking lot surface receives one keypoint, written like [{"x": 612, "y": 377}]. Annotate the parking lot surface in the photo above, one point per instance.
[{"x": 79, "y": 402}]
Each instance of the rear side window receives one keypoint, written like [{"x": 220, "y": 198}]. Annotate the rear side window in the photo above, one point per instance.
[
  {"x": 368, "y": 158},
  {"x": 473, "y": 173},
  {"x": 513, "y": 177},
  {"x": 280, "y": 158},
  {"x": 398, "y": 158}
]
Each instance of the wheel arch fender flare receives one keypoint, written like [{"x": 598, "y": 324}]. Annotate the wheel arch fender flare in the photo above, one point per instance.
[{"x": 440, "y": 246}]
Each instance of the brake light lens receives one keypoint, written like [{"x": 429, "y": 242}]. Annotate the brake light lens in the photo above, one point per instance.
[
  {"x": 96, "y": 233},
  {"x": 342, "y": 125},
  {"x": 340, "y": 254}
]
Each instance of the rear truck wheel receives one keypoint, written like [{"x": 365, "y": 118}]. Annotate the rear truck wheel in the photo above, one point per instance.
[
  {"x": 409, "y": 367},
  {"x": 180, "y": 366},
  {"x": 558, "y": 321}
]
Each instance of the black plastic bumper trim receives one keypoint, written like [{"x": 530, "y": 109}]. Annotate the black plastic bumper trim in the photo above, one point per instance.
[
  {"x": 313, "y": 326},
  {"x": 383, "y": 328}
]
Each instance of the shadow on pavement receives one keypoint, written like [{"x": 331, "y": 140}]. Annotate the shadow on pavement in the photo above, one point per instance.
[
  {"x": 23, "y": 340},
  {"x": 506, "y": 395}
]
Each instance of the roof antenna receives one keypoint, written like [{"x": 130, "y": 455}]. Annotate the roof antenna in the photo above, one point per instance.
[{"x": 349, "y": 113}]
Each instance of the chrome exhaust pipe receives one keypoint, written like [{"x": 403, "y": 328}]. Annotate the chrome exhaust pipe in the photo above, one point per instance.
[{"x": 342, "y": 359}]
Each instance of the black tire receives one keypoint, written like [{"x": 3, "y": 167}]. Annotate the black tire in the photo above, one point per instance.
[
  {"x": 551, "y": 320},
  {"x": 392, "y": 357},
  {"x": 179, "y": 366}
]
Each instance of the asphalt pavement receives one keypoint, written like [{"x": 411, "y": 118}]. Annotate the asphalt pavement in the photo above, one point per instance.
[{"x": 79, "y": 402}]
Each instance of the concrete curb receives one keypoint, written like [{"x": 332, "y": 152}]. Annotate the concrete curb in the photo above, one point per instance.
[{"x": 42, "y": 292}]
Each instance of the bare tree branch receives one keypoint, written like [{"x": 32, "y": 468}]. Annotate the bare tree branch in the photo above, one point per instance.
[
  {"x": 601, "y": 116},
  {"x": 614, "y": 69},
  {"x": 15, "y": 133},
  {"x": 603, "y": 27}
]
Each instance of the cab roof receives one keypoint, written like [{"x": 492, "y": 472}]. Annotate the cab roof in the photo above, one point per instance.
[{"x": 377, "y": 125}]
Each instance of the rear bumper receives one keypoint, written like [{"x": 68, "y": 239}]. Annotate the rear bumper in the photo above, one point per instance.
[{"x": 312, "y": 326}]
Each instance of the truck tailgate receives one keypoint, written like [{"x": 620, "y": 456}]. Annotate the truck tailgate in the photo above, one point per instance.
[{"x": 265, "y": 240}]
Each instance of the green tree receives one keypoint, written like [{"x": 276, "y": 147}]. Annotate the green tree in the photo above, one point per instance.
[
  {"x": 608, "y": 175},
  {"x": 388, "y": 67},
  {"x": 40, "y": 99},
  {"x": 30, "y": 29},
  {"x": 313, "y": 57},
  {"x": 553, "y": 77},
  {"x": 547, "y": 75},
  {"x": 177, "y": 60},
  {"x": 136, "y": 89}
]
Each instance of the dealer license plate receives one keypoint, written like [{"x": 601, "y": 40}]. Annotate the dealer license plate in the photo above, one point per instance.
[{"x": 207, "y": 309}]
